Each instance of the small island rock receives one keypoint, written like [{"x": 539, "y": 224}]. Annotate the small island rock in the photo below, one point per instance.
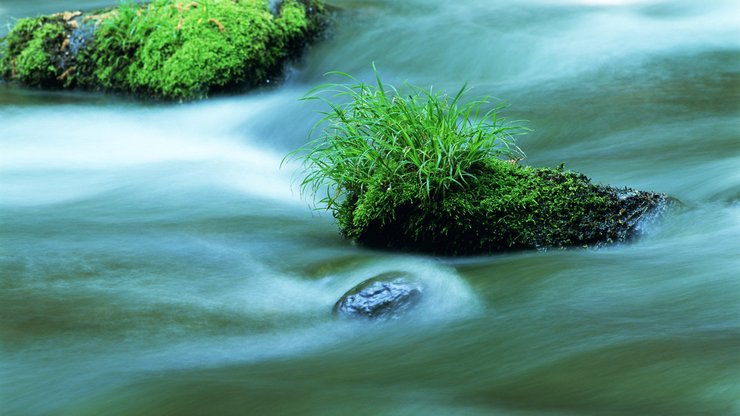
[
  {"x": 162, "y": 49},
  {"x": 384, "y": 297}
]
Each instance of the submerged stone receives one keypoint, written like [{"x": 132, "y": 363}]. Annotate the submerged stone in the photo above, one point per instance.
[
  {"x": 164, "y": 49},
  {"x": 384, "y": 297}
]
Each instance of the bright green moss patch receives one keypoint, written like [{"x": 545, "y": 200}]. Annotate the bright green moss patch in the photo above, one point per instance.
[
  {"x": 423, "y": 171},
  {"x": 32, "y": 52},
  {"x": 169, "y": 49}
]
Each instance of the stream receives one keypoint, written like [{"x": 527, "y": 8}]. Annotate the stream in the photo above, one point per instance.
[{"x": 156, "y": 259}]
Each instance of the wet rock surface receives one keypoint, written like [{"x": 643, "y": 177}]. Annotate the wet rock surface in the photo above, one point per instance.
[
  {"x": 384, "y": 297},
  {"x": 640, "y": 209}
]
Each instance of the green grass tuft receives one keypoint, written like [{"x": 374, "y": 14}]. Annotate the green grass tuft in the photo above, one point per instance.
[
  {"x": 382, "y": 137},
  {"x": 420, "y": 170}
]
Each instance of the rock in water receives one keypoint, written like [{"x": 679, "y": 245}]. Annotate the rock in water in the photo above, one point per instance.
[
  {"x": 640, "y": 209},
  {"x": 162, "y": 49},
  {"x": 509, "y": 207},
  {"x": 384, "y": 297}
]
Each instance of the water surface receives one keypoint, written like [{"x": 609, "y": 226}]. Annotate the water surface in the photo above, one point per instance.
[{"x": 155, "y": 259}]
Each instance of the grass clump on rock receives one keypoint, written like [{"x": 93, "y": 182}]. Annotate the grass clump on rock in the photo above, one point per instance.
[
  {"x": 424, "y": 171},
  {"x": 165, "y": 49}
]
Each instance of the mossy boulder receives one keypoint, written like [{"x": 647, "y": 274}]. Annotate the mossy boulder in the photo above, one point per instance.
[
  {"x": 420, "y": 170},
  {"x": 166, "y": 49},
  {"x": 507, "y": 207}
]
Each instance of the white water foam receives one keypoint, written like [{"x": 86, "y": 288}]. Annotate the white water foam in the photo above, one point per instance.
[
  {"x": 607, "y": 35},
  {"x": 446, "y": 298},
  {"x": 446, "y": 295},
  {"x": 577, "y": 36},
  {"x": 53, "y": 155}
]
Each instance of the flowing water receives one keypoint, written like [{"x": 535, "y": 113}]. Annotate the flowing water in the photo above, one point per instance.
[{"x": 155, "y": 259}]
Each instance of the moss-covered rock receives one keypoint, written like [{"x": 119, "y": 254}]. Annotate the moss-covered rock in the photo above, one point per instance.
[
  {"x": 166, "y": 49},
  {"x": 419, "y": 170},
  {"x": 31, "y": 53},
  {"x": 507, "y": 207}
]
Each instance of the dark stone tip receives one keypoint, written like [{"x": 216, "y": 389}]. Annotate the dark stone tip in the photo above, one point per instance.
[{"x": 384, "y": 297}]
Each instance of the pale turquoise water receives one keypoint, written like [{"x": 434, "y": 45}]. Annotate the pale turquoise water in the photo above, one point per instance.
[{"x": 155, "y": 259}]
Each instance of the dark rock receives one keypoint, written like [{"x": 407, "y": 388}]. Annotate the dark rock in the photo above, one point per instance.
[
  {"x": 640, "y": 208},
  {"x": 384, "y": 297}
]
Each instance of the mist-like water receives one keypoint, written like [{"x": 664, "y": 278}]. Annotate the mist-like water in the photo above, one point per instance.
[{"x": 156, "y": 259}]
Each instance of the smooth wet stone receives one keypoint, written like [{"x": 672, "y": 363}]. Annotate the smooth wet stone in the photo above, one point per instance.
[{"x": 384, "y": 297}]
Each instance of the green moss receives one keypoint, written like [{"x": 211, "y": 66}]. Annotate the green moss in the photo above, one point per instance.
[
  {"x": 181, "y": 51},
  {"x": 293, "y": 20},
  {"x": 508, "y": 207},
  {"x": 185, "y": 50},
  {"x": 299, "y": 22},
  {"x": 31, "y": 52},
  {"x": 166, "y": 49}
]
